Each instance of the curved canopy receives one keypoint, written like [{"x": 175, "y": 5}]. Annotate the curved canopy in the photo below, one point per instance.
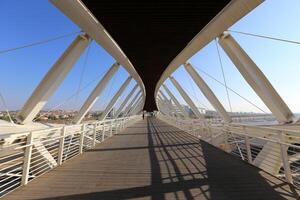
[{"x": 153, "y": 33}]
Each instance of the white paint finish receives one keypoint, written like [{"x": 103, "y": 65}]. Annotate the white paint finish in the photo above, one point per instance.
[
  {"x": 256, "y": 79},
  {"x": 233, "y": 12},
  {"x": 248, "y": 148},
  {"x": 44, "y": 154},
  {"x": 115, "y": 98},
  {"x": 81, "y": 140},
  {"x": 61, "y": 146},
  {"x": 53, "y": 79},
  {"x": 207, "y": 92},
  {"x": 186, "y": 97},
  {"x": 163, "y": 106},
  {"x": 166, "y": 103},
  {"x": 80, "y": 15},
  {"x": 132, "y": 108},
  {"x": 27, "y": 159},
  {"x": 134, "y": 99},
  {"x": 93, "y": 97},
  {"x": 183, "y": 111},
  {"x": 137, "y": 108},
  {"x": 125, "y": 101}
]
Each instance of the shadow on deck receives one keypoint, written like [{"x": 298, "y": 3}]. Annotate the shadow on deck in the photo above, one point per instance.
[{"x": 153, "y": 160}]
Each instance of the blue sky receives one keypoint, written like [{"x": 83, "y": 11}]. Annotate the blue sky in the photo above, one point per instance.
[
  {"x": 28, "y": 21},
  {"x": 278, "y": 60}
]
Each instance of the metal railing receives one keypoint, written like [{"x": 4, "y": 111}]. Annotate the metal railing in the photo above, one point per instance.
[
  {"x": 28, "y": 155},
  {"x": 275, "y": 150}
]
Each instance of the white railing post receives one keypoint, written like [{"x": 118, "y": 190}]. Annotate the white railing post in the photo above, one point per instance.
[
  {"x": 111, "y": 128},
  {"x": 211, "y": 135},
  {"x": 227, "y": 146},
  {"x": 81, "y": 138},
  {"x": 248, "y": 147},
  {"x": 61, "y": 146},
  {"x": 94, "y": 134},
  {"x": 116, "y": 126},
  {"x": 121, "y": 124},
  {"x": 284, "y": 157},
  {"x": 193, "y": 133},
  {"x": 103, "y": 132},
  {"x": 27, "y": 159}
]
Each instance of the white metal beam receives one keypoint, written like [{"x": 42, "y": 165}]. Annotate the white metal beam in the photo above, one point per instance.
[
  {"x": 185, "y": 114},
  {"x": 80, "y": 15},
  {"x": 208, "y": 93},
  {"x": 93, "y": 97},
  {"x": 228, "y": 16},
  {"x": 166, "y": 102},
  {"x": 135, "y": 108},
  {"x": 53, "y": 79},
  {"x": 133, "y": 100},
  {"x": 115, "y": 98},
  {"x": 126, "y": 101},
  {"x": 186, "y": 97},
  {"x": 162, "y": 105},
  {"x": 132, "y": 108},
  {"x": 256, "y": 79}
]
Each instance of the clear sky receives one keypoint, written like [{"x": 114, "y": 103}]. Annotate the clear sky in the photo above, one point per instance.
[{"x": 24, "y": 22}]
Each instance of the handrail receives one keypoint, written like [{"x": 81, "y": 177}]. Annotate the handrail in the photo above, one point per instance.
[
  {"x": 273, "y": 149},
  {"x": 34, "y": 153}
]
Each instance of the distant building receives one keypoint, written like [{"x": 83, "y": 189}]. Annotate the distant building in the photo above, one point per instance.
[{"x": 211, "y": 113}]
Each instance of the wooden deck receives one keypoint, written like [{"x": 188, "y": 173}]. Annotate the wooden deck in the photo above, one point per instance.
[{"x": 153, "y": 160}]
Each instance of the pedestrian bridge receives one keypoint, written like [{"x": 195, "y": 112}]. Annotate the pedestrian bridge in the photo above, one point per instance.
[
  {"x": 178, "y": 151},
  {"x": 151, "y": 159}
]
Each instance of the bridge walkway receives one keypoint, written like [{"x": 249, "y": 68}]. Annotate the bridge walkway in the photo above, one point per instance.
[{"x": 153, "y": 160}]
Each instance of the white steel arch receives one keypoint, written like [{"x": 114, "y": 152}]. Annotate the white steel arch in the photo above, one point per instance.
[
  {"x": 81, "y": 16},
  {"x": 234, "y": 11}
]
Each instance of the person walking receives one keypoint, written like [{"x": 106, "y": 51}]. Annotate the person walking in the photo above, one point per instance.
[{"x": 143, "y": 115}]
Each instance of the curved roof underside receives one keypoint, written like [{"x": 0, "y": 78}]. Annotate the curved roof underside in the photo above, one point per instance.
[{"x": 153, "y": 33}]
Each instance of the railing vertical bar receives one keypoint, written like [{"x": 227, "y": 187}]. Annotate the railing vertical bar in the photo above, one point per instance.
[
  {"x": 81, "y": 138},
  {"x": 94, "y": 134},
  {"x": 27, "y": 159},
  {"x": 61, "y": 146},
  {"x": 285, "y": 160},
  {"x": 248, "y": 146}
]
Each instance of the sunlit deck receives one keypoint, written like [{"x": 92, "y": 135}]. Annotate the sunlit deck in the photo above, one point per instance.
[{"x": 153, "y": 160}]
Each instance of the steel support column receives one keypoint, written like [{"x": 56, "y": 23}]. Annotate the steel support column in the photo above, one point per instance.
[
  {"x": 208, "y": 93},
  {"x": 185, "y": 114},
  {"x": 115, "y": 98},
  {"x": 53, "y": 79},
  {"x": 135, "y": 107},
  {"x": 255, "y": 78},
  {"x": 166, "y": 102},
  {"x": 125, "y": 101},
  {"x": 169, "y": 102},
  {"x": 137, "y": 96},
  {"x": 128, "y": 113},
  {"x": 162, "y": 105},
  {"x": 187, "y": 99},
  {"x": 93, "y": 97}
]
